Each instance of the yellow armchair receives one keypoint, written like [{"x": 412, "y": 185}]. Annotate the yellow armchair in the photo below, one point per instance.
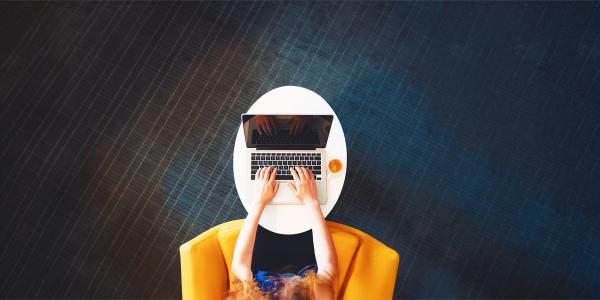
[{"x": 367, "y": 268}]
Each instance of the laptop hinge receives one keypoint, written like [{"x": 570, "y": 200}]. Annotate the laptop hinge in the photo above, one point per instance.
[{"x": 280, "y": 147}]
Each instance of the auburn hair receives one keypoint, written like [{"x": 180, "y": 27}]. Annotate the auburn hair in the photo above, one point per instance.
[{"x": 296, "y": 288}]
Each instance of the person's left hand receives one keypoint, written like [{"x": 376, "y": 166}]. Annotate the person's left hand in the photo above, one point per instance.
[{"x": 268, "y": 186}]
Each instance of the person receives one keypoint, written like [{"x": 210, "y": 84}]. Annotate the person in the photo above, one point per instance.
[{"x": 310, "y": 271}]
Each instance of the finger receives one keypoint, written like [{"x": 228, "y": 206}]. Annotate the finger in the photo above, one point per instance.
[
  {"x": 263, "y": 170},
  {"x": 276, "y": 188},
  {"x": 310, "y": 175},
  {"x": 273, "y": 174},
  {"x": 259, "y": 129},
  {"x": 258, "y": 174},
  {"x": 305, "y": 173},
  {"x": 292, "y": 187},
  {"x": 300, "y": 174},
  {"x": 267, "y": 173},
  {"x": 295, "y": 175}
]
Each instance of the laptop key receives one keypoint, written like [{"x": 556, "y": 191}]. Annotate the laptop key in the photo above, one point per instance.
[{"x": 284, "y": 177}]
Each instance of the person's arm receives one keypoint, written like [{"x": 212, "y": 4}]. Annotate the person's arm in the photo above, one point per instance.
[
  {"x": 242, "y": 253},
  {"x": 324, "y": 253},
  {"x": 305, "y": 188},
  {"x": 324, "y": 249}
]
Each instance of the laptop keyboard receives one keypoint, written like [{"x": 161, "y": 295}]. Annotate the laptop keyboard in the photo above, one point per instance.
[{"x": 283, "y": 162}]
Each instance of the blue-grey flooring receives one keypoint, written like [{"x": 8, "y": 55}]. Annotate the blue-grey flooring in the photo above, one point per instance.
[{"x": 472, "y": 129}]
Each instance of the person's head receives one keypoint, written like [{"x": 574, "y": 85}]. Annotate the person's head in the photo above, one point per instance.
[{"x": 296, "y": 288}]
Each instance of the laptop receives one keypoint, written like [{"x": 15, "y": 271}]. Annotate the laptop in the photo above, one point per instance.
[{"x": 286, "y": 141}]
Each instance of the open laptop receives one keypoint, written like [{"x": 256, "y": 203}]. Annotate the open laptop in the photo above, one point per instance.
[{"x": 285, "y": 141}]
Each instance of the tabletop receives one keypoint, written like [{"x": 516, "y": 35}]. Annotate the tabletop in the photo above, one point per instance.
[{"x": 286, "y": 219}]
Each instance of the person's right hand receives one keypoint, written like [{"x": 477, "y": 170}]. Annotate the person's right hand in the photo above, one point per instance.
[{"x": 304, "y": 185}]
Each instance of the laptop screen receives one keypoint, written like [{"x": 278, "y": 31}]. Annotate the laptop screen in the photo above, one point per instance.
[{"x": 286, "y": 131}]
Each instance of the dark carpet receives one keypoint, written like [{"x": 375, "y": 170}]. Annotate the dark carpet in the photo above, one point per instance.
[{"x": 472, "y": 129}]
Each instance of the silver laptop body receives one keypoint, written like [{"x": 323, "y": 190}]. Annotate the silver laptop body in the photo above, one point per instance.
[{"x": 285, "y": 141}]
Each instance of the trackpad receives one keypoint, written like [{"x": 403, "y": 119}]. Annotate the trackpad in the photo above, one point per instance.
[{"x": 285, "y": 195}]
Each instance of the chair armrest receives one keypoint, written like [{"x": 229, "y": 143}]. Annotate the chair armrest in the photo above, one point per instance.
[
  {"x": 203, "y": 270},
  {"x": 373, "y": 271}
]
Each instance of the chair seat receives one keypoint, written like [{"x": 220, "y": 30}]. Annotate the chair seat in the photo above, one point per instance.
[
  {"x": 345, "y": 244},
  {"x": 366, "y": 267}
]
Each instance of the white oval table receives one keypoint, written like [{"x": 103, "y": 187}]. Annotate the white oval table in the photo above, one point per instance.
[{"x": 289, "y": 219}]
